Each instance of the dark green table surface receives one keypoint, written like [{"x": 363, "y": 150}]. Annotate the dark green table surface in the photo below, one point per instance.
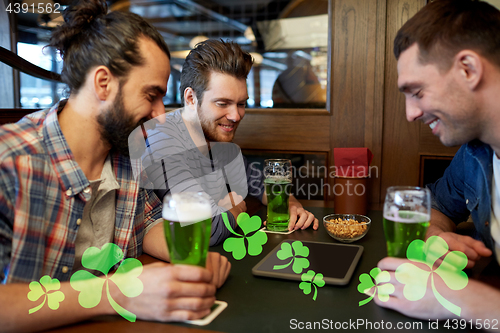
[{"x": 257, "y": 304}]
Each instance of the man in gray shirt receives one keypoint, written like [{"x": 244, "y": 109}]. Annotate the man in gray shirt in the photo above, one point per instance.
[{"x": 192, "y": 150}]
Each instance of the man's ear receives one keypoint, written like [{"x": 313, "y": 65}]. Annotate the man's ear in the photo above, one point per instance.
[
  {"x": 470, "y": 67},
  {"x": 105, "y": 83},
  {"x": 190, "y": 99}
]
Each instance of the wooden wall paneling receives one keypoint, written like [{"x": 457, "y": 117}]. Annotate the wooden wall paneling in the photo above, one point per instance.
[
  {"x": 374, "y": 98},
  {"x": 358, "y": 78},
  {"x": 275, "y": 131},
  {"x": 6, "y": 74},
  {"x": 400, "y": 158}
]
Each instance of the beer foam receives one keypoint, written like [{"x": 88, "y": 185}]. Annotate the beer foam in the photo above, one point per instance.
[
  {"x": 187, "y": 212},
  {"x": 416, "y": 217}
]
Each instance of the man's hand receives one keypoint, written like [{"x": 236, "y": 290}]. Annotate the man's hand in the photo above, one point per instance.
[
  {"x": 234, "y": 203},
  {"x": 230, "y": 200},
  {"x": 477, "y": 301},
  {"x": 472, "y": 248},
  {"x": 444, "y": 227},
  {"x": 219, "y": 266},
  {"x": 299, "y": 217},
  {"x": 172, "y": 293},
  {"x": 426, "y": 308}
]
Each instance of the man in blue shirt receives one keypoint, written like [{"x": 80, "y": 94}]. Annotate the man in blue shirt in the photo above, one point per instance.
[{"x": 449, "y": 71}]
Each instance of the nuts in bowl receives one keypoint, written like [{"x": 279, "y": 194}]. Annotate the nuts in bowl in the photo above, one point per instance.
[{"x": 346, "y": 228}]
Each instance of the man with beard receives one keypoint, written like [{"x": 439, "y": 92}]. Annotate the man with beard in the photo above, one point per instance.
[
  {"x": 449, "y": 71},
  {"x": 66, "y": 183},
  {"x": 192, "y": 149}
]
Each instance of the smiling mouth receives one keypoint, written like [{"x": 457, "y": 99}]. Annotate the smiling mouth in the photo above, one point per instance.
[
  {"x": 227, "y": 128},
  {"x": 434, "y": 124}
]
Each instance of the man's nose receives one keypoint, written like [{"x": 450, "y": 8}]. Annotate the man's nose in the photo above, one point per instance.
[
  {"x": 235, "y": 114},
  {"x": 413, "y": 112},
  {"x": 158, "y": 108}
]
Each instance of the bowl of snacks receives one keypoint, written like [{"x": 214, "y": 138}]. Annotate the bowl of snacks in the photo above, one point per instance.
[{"x": 346, "y": 228}]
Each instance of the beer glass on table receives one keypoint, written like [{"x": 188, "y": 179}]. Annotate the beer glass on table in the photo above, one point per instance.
[
  {"x": 278, "y": 184},
  {"x": 187, "y": 222},
  {"x": 407, "y": 212}
]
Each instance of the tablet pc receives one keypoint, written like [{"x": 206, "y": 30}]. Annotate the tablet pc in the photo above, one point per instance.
[{"x": 335, "y": 261}]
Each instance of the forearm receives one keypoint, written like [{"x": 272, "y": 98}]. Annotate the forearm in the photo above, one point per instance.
[
  {"x": 439, "y": 223},
  {"x": 154, "y": 243},
  {"x": 15, "y": 306},
  {"x": 480, "y": 302}
]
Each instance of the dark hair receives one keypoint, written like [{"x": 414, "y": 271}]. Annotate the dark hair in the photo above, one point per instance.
[
  {"x": 445, "y": 27},
  {"x": 92, "y": 37},
  {"x": 213, "y": 55}
]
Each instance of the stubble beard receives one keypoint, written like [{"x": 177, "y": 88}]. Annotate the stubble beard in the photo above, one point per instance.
[{"x": 210, "y": 129}]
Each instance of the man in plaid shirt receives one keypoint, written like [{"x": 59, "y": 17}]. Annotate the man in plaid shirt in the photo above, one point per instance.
[{"x": 66, "y": 181}]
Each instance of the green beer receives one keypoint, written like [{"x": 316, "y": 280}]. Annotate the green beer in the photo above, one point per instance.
[
  {"x": 402, "y": 229},
  {"x": 187, "y": 226},
  {"x": 278, "y": 197}
]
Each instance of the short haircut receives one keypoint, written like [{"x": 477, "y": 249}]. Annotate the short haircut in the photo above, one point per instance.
[
  {"x": 213, "y": 56},
  {"x": 90, "y": 37},
  {"x": 445, "y": 27}
]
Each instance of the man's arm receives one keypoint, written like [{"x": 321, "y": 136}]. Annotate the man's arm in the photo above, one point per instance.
[
  {"x": 444, "y": 227},
  {"x": 477, "y": 301},
  {"x": 171, "y": 293}
]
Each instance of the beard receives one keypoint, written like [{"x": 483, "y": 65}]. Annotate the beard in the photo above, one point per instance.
[
  {"x": 210, "y": 129},
  {"x": 116, "y": 124}
]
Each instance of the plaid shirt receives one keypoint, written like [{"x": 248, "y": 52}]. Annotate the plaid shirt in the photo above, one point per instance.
[{"x": 42, "y": 196}]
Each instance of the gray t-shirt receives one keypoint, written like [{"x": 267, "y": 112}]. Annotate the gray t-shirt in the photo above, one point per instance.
[{"x": 173, "y": 163}]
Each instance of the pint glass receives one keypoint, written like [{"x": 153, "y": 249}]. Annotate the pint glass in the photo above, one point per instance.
[
  {"x": 278, "y": 184},
  {"x": 407, "y": 212},
  {"x": 187, "y": 222}
]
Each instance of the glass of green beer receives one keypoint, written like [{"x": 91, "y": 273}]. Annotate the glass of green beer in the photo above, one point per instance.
[
  {"x": 407, "y": 212},
  {"x": 187, "y": 222},
  {"x": 278, "y": 184}
]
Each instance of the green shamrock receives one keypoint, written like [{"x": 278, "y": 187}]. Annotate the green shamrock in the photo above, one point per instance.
[
  {"x": 311, "y": 279},
  {"x": 53, "y": 298},
  {"x": 286, "y": 252},
  {"x": 366, "y": 284},
  {"x": 125, "y": 278},
  {"x": 450, "y": 270},
  {"x": 236, "y": 245}
]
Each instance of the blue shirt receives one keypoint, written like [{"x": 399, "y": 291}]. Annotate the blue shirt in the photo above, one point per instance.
[{"x": 465, "y": 189}]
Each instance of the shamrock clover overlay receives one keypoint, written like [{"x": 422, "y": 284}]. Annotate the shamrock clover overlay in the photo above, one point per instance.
[
  {"x": 450, "y": 271},
  {"x": 37, "y": 290},
  {"x": 366, "y": 284},
  {"x": 236, "y": 245},
  {"x": 298, "y": 255},
  {"x": 125, "y": 277},
  {"x": 311, "y": 279}
]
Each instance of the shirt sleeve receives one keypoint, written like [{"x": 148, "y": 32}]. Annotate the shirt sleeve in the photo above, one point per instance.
[
  {"x": 6, "y": 216},
  {"x": 152, "y": 214},
  {"x": 447, "y": 193}
]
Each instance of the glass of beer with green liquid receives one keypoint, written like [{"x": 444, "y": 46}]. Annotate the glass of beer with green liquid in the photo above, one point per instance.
[
  {"x": 187, "y": 222},
  {"x": 278, "y": 184},
  {"x": 407, "y": 212}
]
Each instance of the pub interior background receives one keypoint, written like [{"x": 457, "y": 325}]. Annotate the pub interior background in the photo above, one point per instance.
[{"x": 324, "y": 77}]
